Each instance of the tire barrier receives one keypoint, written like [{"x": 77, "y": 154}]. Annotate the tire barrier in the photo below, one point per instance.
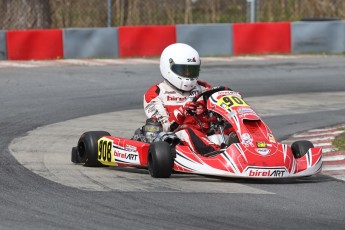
[
  {"x": 3, "y": 49},
  {"x": 318, "y": 37},
  {"x": 34, "y": 44},
  {"x": 262, "y": 38},
  {"x": 90, "y": 43},
  {"x": 207, "y": 39},
  {"x": 145, "y": 41}
]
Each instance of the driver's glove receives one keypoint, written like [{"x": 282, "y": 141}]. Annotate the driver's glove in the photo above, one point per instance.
[
  {"x": 200, "y": 108},
  {"x": 179, "y": 115},
  {"x": 189, "y": 108}
]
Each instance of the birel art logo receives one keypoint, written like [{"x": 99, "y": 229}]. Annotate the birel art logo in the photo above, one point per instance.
[
  {"x": 264, "y": 172},
  {"x": 173, "y": 98}
]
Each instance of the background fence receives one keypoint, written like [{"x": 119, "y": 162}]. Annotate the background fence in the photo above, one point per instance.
[{"x": 30, "y": 14}]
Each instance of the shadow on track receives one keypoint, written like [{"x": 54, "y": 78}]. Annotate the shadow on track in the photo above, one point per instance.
[{"x": 318, "y": 178}]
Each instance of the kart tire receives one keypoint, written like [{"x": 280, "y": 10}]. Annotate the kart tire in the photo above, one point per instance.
[
  {"x": 74, "y": 155},
  {"x": 160, "y": 160},
  {"x": 88, "y": 148},
  {"x": 300, "y": 148}
]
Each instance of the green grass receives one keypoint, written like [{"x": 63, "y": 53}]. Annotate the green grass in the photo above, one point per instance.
[{"x": 339, "y": 142}]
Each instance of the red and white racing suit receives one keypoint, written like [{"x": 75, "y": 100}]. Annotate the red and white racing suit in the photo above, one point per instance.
[{"x": 162, "y": 102}]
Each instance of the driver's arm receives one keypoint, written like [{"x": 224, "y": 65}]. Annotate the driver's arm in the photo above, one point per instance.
[{"x": 154, "y": 107}]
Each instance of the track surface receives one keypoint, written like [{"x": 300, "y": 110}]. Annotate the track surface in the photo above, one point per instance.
[{"x": 32, "y": 98}]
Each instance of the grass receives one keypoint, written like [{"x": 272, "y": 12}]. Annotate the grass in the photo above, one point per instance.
[{"x": 339, "y": 141}]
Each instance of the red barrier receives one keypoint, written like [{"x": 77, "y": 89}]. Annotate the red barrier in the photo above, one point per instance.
[
  {"x": 261, "y": 38},
  {"x": 145, "y": 40},
  {"x": 34, "y": 44}
]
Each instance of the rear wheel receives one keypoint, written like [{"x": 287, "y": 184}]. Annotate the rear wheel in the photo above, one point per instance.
[
  {"x": 160, "y": 160},
  {"x": 300, "y": 148},
  {"x": 74, "y": 155},
  {"x": 87, "y": 148}
]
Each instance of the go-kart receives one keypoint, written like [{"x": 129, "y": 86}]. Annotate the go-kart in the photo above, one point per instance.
[{"x": 253, "y": 153}]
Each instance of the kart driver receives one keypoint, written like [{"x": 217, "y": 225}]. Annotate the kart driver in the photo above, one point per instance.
[{"x": 170, "y": 101}]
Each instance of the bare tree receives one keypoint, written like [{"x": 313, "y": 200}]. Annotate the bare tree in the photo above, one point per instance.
[
  {"x": 188, "y": 15},
  {"x": 26, "y": 14}
]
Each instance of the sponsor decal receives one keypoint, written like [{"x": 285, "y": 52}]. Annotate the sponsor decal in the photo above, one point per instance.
[
  {"x": 131, "y": 156},
  {"x": 245, "y": 111},
  {"x": 266, "y": 172},
  {"x": 223, "y": 105},
  {"x": 232, "y": 100},
  {"x": 271, "y": 138},
  {"x": 152, "y": 128},
  {"x": 170, "y": 92},
  {"x": 104, "y": 150},
  {"x": 126, "y": 156},
  {"x": 151, "y": 108},
  {"x": 231, "y": 113},
  {"x": 223, "y": 93},
  {"x": 173, "y": 98},
  {"x": 131, "y": 148},
  {"x": 263, "y": 151},
  {"x": 119, "y": 154},
  {"x": 191, "y": 59},
  {"x": 247, "y": 139},
  {"x": 261, "y": 144},
  {"x": 160, "y": 119}
]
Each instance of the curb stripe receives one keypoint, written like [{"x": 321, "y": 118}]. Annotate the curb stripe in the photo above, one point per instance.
[{"x": 333, "y": 160}]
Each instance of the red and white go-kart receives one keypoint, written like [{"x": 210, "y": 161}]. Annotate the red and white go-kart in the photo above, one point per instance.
[{"x": 255, "y": 153}]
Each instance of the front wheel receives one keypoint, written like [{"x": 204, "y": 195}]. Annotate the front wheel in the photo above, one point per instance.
[
  {"x": 300, "y": 148},
  {"x": 160, "y": 160},
  {"x": 87, "y": 148}
]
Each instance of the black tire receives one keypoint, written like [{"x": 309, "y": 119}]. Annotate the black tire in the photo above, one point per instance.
[
  {"x": 300, "y": 148},
  {"x": 160, "y": 160},
  {"x": 74, "y": 155},
  {"x": 88, "y": 148}
]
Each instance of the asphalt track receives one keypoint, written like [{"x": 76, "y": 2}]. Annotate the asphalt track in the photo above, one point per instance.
[{"x": 64, "y": 101}]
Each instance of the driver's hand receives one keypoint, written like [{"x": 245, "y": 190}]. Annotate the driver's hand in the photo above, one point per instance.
[
  {"x": 190, "y": 106},
  {"x": 200, "y": 107}
]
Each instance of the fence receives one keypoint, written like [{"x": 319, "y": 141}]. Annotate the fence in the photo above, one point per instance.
[{"x": 29, "y": 14}]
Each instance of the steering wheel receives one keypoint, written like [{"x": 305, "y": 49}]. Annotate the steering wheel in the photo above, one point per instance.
[{"x": 206, "y": 94}]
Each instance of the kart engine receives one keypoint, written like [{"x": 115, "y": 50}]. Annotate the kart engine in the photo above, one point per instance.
[{"x": 148, "y": 132}]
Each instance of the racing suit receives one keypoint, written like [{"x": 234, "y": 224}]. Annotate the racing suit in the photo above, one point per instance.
[{"x": 163, "y": 102}]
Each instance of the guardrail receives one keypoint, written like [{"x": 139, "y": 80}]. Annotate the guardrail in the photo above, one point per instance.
[{"x": 209, "y": 39}]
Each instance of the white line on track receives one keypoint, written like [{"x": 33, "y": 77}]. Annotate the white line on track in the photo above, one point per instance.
[
  {"x": 328, "y": 150},
  {"x": 333, "y": 158},
  {"x": 330, "y": 133},
  {"x": 326, "y": 168},
  {"x": 80, "y": 62},
  {"x": 4, "y": 64},
  {"x": 119, "y": 61}
]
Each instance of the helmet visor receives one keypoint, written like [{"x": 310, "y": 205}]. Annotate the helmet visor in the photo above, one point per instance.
[{"x": 189, "y": 71}]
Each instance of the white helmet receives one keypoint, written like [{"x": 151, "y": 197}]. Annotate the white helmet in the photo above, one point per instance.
[{"x": 180, "y": 66}]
